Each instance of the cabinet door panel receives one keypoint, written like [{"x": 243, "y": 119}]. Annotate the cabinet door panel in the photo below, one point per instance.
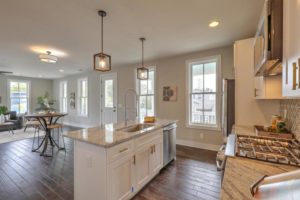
[
  {"x": 156, "y": 158},
  {"x": 291, "y": 49},
  {"x": 142, "y": 166},
  {"x": 121, "y": 178}
]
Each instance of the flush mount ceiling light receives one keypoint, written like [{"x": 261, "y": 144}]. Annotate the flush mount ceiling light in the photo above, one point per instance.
[
  {"x": 61, "y": 70},
  {"x": 142, "y": 72},
  {"x": 102, "y": 61},
  {"x": 48, "y": 57},
  {"x": 214, "y": 23}
]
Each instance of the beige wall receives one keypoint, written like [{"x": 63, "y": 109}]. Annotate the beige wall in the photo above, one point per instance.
[
  {"x": 172, "y": 71},
  {"x": 38, "y": 88},
  {"x": 169, "y": 71}
]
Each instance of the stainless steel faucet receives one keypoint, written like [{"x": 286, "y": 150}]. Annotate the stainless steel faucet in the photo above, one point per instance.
[{"x": 137, "y": 103}]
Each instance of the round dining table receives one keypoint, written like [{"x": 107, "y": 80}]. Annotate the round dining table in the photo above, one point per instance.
[{"x": 46, "y": 120}]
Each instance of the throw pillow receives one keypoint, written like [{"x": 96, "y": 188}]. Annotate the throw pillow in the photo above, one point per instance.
[
  {"x": 13, "y": 115},
  {"x": 2, "y": 119},
  {"x": 7, "y": 117}
]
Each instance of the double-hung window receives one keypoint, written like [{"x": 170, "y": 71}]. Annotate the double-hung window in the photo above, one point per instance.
[
  {"x": 146, "y": 92},
  {"x": 19, "y": 96},
  {"x": 83, "y": 97},
  {"x": 203, "y": 88},
  {"x": 63, "y": 96}
]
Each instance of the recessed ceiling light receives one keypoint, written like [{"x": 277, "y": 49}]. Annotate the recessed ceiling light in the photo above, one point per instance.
[
  {"x": 48, "y": 57},
  {"x": 61, "y": 70},
  {"x": 214, "y": 23},
  {"x": 40, "y": 76}
]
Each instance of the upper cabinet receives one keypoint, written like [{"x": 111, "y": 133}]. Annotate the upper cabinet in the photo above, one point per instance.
[{"x": 291, "y": 49}]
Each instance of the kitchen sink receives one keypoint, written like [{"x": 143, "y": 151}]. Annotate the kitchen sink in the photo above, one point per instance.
[{"x": 135, "y": 128}]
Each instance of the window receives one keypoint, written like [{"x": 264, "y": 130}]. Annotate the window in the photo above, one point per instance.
[
  {"x": 146, "y": 92},
  {"x": 19, "y": 96},
  {"x": 83, "y": 97},
  {"x": 204, "y": 99},
  {"x": 63, "y": 97}
]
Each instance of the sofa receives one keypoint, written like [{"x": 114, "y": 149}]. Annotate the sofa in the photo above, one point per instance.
[{"x": 17, "y": 120}]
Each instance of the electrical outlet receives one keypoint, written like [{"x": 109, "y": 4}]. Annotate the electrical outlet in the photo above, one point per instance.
[
  {"x": 201, "y": 136},
  {"x": 89, "y": 162}
]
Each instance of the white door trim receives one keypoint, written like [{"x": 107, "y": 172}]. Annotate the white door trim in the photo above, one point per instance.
[{"x": 101, "y": 100}]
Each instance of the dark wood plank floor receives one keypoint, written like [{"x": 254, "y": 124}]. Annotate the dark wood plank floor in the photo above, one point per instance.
[{"x": 26, "y": 175}]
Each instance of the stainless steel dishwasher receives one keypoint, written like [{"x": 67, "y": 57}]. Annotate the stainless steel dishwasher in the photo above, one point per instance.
[{"x": 169, "y": 143}]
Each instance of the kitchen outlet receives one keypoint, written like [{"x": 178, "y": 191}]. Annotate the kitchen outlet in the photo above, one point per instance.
[
  {"x": 89, "y": 162},
  {"x": 201, "y": 136}
]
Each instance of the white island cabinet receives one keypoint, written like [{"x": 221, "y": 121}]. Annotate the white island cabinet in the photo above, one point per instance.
[{"x": 115, "y": 165}]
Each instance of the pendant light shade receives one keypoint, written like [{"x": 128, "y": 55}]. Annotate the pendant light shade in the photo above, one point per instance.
[
  {"x": 142, "y": 72},
  {"x": 102, "y": 61}
]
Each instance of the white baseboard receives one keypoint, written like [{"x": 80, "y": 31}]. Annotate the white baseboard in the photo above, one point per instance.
[{"x": 189, "y": 143}]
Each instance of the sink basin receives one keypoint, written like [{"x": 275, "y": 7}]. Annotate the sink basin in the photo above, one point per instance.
[{"x": 135, "y": 128}]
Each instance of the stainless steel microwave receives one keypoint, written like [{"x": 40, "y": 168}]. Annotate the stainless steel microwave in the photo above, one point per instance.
[{"x": 268, "y": 40}]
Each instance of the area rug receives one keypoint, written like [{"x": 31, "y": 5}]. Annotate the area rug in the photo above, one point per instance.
[{"x": 5, "y": 136}]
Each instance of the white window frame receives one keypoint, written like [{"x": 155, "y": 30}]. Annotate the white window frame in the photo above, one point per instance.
[
  {"x": 189, "y": 64},
  {"x": 61, "y": 97},
  {"x": 28, "y": 92},
  {"x": 80, "y": 97},
  {"x": 137, "y": 86}
]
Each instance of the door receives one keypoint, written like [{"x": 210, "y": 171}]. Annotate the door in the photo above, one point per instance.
[
  {"x": 109, "y": 98},
  {"x": 156, "y": 159},
  {"x": 121, "y": 178},
  {"x": 259, "y": 87},
  {"x": 142, "y": 166},
  {"x": 291, "y": 49}
]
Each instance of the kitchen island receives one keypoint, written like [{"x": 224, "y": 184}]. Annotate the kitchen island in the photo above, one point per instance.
[
  {"x": 241, "y": 173},
  {"x": 114, "y": 161}
]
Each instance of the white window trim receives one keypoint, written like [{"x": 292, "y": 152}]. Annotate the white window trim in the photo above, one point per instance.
[
  {"x": 218, "y": 93},
  {"x": 137, "y": 87},
  {"x": 79, "y": 96},
  {"x": 29, "y": 93},
  {"x": 61, "y": 96}
]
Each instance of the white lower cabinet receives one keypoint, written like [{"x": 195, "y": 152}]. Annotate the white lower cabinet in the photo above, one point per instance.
[
  {"x": 121, "y": 178},
  {"x": 119, "y": 172},
  {"x": 156, "y": 157},
  {"x": 142, "y": 156}
]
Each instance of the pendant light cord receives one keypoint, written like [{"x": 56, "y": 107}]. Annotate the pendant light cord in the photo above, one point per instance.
[
  {"x": 101, "y": 34},
  {"x": 142, "y": 53}
]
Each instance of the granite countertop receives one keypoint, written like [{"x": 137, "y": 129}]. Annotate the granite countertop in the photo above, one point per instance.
[
  {"x": 109, "y": 135},
  {"x": 241, "y": 173}
]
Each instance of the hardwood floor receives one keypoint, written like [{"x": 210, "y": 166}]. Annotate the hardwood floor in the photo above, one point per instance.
[
  {"x": 27, "y": 175},
  {"x": 193, "y": 176}
]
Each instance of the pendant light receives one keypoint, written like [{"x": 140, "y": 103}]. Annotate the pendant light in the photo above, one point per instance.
[
  {"x": 142, "y": 72},
  {"x": 102, "y": 61}
]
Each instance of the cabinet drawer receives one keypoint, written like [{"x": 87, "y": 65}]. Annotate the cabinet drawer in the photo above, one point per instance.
[
  {"x": 120, "y": 151},
  {"x": 148, "y": 138}
]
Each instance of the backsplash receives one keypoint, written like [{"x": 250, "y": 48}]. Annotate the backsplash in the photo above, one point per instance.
[{"x": 292, "y": 107}]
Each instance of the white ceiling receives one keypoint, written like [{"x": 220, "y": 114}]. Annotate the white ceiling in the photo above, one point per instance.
[{"x": 71, "y": 29}]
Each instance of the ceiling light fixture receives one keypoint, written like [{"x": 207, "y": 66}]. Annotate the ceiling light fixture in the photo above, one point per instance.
[
  {"x": 102, "y": 61},
  {"x": 61, "y": 70},
  {"x": 142, "y": 72},
  {"x": 214, "y": 24},
  {"x": 48, "y": 57}
]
